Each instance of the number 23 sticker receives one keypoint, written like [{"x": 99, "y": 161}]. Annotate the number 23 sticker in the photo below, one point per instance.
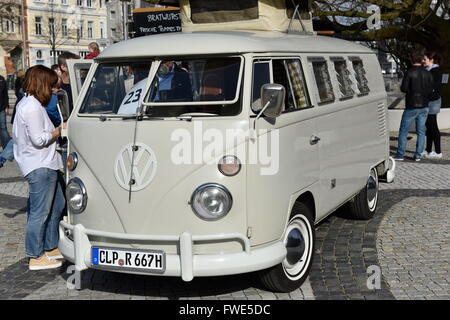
[{"x": 130, "y": 103}]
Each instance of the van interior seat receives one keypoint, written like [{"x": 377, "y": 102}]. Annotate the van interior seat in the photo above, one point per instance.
[{"x": 212, "y": 86}]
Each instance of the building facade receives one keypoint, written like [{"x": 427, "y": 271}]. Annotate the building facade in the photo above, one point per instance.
[
  {"x": 11, "y": 34},
  {"x": 54, "y": 26}
]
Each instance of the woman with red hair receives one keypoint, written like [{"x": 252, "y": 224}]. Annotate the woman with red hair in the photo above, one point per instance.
[{"x": 35, "y": 139}]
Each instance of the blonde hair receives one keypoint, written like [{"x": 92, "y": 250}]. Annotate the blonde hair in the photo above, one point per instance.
[{"x": 94, "y": 46}]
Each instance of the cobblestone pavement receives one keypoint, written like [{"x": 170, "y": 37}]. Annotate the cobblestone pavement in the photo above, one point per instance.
[{"x": 408, "y": 239}]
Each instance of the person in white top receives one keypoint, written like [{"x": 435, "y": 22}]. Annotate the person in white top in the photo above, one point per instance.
[{"x": 35, "y": 138}]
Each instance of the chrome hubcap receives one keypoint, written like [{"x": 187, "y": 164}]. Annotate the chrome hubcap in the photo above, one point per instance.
[
  {"x": 298, "y": 243},
  {"x": 295, "y": 247},
  {"x": 372, "y": 190}
]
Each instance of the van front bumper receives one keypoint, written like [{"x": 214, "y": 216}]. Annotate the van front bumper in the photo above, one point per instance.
[{"x": 185, "y": 265}]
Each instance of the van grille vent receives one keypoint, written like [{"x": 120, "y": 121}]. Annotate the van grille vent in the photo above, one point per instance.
[{"x": 382, "y": 121}]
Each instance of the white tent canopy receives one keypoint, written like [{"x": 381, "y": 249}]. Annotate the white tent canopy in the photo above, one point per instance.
[{"x": 212, "y": 15}]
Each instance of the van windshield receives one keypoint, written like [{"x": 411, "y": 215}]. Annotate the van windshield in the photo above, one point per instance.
[
  {"x": 116, "y": 88},
  {"x": 196, "y": 86}
]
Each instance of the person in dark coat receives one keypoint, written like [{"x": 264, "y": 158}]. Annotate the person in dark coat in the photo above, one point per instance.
[
  {"x": 432, "y": 61},
  {"x": 418, "y": 86},
  {"x": 4, "y": 104}
]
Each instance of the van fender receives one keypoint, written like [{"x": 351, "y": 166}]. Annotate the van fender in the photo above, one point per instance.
[{"x": 314, "y": 190}]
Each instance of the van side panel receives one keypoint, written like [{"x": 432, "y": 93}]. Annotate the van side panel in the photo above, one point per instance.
[
  {"x": 268, "y": 195},
  {"x": 353, "y": 140}
]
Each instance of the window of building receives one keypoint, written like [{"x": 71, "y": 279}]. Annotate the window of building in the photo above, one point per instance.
[
  {"x": 64, "y": 2},
  {"x": 90, "y": 29},
  {"x": 323, "y": 80},
  {"x": 102, "y": 28},
  {"x": 51, "y": 26},
  {"x": 287, "y": 72},
  {"x": 360, "y": 76},
  {"x": 38, "y": 25},
  {"x": 343, "y": 78},
  {"x": 10, "y": 26},
  {"x": 112, "y": 14},
  {"x": 80, "y": 29},
  {"x": 64, "y": 30},
  {"x": 80, "y": 3},
  {"x": 89, "y": 3}
]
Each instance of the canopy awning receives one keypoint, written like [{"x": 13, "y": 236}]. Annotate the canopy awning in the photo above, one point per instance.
[{"x": 274, "y": 15}]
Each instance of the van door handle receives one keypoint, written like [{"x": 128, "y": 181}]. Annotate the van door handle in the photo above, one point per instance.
[{"x": 314, "y": 140}]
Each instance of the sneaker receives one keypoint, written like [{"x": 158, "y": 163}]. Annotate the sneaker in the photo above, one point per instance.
[
  {"x": 417, "y": 159},
  {"x": 398, "y": 158},
  {"x": 43, "y": 263},
  {"x": 434, "y": 155},
  {"x": 424, "y": 154},
  {"x": 54, "y": 254},
  {"x": 2, "y": 161}
]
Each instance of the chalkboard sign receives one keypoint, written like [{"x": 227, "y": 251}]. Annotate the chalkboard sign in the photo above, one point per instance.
[{"x": 153, "y": 21}]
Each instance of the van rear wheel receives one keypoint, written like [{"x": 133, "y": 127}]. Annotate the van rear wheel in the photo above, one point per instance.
[
  {"x": 364, "y": 204},
  {"x": 299, "y": 239}
]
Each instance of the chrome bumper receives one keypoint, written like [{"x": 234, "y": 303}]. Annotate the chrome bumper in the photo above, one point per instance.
[{"x": 186, "y": 264}]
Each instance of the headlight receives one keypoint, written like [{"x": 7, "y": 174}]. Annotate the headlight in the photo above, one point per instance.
[
  {"x": 76, "y": 195},
  {"x": 72, "y": 161},
  {"x": 211, "y": 201}
]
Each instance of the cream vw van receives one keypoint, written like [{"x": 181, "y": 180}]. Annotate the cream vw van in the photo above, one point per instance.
[{"x": 156, "y": 185}]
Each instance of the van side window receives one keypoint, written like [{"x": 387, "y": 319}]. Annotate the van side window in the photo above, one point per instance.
[
  {"x": 360, "y": 76},
  {"x": 323, "y": 80},
  {"x": 287, "y": 72},
  {"x": 343, "y": 78},
  {"x": 261, "y": 76}
]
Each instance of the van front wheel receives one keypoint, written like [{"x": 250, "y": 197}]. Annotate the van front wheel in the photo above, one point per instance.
[
  {"x": 364, "y": 204},
  {"x": 299, "y": 239}
]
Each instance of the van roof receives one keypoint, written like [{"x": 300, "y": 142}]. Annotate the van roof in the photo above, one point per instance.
[{"x": 228, "y": 42}]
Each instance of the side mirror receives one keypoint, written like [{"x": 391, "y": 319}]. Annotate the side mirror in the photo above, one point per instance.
[{"x": 272, "y": 99}]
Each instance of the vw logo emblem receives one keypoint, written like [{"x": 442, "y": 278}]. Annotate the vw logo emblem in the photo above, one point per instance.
[{"x": 144, "y": 167}]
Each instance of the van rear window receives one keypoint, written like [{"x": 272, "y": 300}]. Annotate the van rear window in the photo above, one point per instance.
[
  {"x": 323, "y": 81},
  {"x": 343, "y": 78},
  {"x": 360, "y": 76}
]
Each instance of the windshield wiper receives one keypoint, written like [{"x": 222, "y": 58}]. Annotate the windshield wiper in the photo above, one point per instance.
[{"x": 141, "y": 117}]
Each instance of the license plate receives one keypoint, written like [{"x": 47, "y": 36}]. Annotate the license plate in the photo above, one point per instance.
[{"x": 128, "y": 259}]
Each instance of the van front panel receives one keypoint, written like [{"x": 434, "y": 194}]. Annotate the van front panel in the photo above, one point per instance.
[{"x": 163, "y": 206}]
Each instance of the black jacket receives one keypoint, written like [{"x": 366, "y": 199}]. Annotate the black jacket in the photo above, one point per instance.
[
  {"x": 4, "y": 100},
  {"x": 437, "y": 76},
  {"x": 181, "y": 89},
  {"x": 418, "y": 86}
]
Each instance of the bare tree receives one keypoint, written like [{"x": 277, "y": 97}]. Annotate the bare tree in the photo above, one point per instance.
[
  {"x": 402, "y": 27},
  {"x": 56, "y": 30}
]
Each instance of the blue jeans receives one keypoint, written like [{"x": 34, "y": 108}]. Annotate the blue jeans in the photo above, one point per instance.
[
  {"x": 10, "y": 81},
  {"x": 434, "y": 107},
  {"x": 4, "y": 135},
  {"x": 8, "y": 152},
  {"x": 409, "y": 115},
  {"x": 46, "y": 202}
]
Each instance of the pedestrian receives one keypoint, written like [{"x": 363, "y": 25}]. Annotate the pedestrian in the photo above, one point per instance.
[
  {"x": 34, "y": 138},
  {"x": 432, "y": 61},
  {"x": 63, "y": 73},
  {"x": 418, "y": 86},
  {"x": 52, "y": 111},
  {"x": 18, "y": 91},
  {"x": 10, "y": 72},
  {"x": 94, "y": 50},
  {"x": 4, "y": 104}
]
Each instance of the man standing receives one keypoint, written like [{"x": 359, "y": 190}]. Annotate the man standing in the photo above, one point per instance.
[
  {"x": 4, "y": 103},
  {"x": 10, "y": 72},
  {"x": 418, "y": 86}
]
